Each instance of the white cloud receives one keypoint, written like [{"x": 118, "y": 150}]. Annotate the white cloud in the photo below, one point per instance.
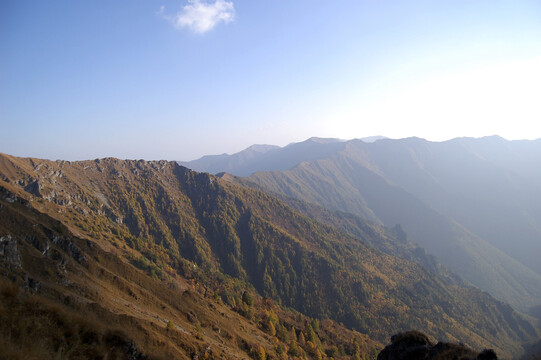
[{"x": 201, "y": 16}]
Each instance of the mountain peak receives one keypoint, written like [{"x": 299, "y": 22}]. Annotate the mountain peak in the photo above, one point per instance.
[
  {"x": 371, "y": 139},
  {"x": 261, "y": 148},
  {"x": 324, "y": 140}
]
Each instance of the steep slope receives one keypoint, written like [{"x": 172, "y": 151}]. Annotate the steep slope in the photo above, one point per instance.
[
  {"x": 464, "y": 192},
  {"x": 490, "y": 186},
  {"x": 393, "y": 241},
  {"x": 197, "y": 224},
  {"x": 533, "y": 352},
  {"x": 65, "y": 297},
  {"x": 371, "y": 185},
  {"x": 68, "y": 298},
  {"x": 264, "y": 157},
  {"x": 242, "y": 160}
]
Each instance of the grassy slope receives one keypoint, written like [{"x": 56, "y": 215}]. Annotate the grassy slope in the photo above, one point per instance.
[
  {"x": 177, "y": 219},
  {"x": 67, "y": 298}
]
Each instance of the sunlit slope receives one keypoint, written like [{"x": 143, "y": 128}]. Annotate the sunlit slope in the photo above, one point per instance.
[
  {"x": 62, "y": 296},
  {"x": 186, "y": 221}
]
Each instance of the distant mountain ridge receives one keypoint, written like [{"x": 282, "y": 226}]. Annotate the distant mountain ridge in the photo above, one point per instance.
[
  {"x": 474, "y": 203},
  {"x": 168, "y": 219},
  {"x": 249, "y": 160},
  {"x": 269, "y": 157}
]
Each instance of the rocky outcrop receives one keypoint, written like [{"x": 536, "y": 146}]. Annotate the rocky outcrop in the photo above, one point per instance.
[
  {"x": 414, "y": 345},
  {"x": 9, "y": 252},
  {"x": 67, "y": 245}
]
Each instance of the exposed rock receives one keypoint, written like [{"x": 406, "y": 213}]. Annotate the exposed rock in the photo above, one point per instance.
[
  {"x": 31, "y": 285},
  {"x": 487, "y": 354},
  {"x": 9, "y": 251},
  {"x": 34, "y": 188},
  {"x": 68, "y": 246},
  {"x": 405, "y": 346},
  {"x": 130, "y": 350},
  {"x": 414, "y": 345}
]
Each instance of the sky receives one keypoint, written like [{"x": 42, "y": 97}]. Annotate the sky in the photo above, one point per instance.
[{"x": 179, "y": 79}]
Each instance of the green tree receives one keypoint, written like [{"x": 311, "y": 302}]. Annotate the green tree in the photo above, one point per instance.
[
  {"x": 282, "y": 333},
  {"x": 294, "y": 349},
  {"x": 247, "y": 298}
]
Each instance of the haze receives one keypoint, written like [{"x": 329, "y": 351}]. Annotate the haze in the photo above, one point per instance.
[{"x": 180, "y": 79}]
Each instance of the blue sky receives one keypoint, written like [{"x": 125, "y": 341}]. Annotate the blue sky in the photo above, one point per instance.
[{"x": 179, "y": 79}]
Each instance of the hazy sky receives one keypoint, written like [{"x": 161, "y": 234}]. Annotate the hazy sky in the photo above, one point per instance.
[{"x": 175, "y": 80}]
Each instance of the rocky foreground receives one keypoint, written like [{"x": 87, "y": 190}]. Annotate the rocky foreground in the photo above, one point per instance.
[{"x": 414, "y": 345}]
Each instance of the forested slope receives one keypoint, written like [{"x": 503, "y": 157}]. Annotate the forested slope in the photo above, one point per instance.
[{"x": 167, "y": 219}]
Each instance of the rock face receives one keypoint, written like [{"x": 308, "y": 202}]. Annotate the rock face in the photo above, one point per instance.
[
  {"x": 9, "y": 252},
  {"x": 414, "y": 345}
]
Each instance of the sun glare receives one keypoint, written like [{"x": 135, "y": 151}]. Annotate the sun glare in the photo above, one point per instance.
[{"x": 503, "y": 98}]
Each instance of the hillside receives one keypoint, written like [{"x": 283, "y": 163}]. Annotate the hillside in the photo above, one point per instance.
[
  {"x": 352, "y": 187},
  {"x": 393, "y": 241},
  {"x": 170, "y": 221},
  {"x": 266, "y": 157},
  {"x": 62, "y": 296},
  {"x": 490, "y": 186},
  {"x": 462, "y": 200},
  {"x": 242, "y": 160}
]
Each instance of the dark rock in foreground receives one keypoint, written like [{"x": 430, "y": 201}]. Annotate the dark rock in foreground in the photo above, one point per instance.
[{"x": 414, "y": 345}]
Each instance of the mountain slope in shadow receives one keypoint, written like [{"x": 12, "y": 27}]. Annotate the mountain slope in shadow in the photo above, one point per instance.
[{"x": 474, "y": 203}]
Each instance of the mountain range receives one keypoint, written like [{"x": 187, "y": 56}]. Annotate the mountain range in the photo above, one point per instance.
[
  {"x": 195, "y": 262},
  {"x": 473, "y": 203}
]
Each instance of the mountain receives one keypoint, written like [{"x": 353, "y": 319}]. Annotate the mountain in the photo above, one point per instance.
[
  {"x": 62, "y": 296},
  {"x": 248, "y": 161},
  {"x": 371, "y": 139},
  {"x": 393, "y": 241},
  {"x": 269, "y": 157},
  {"x": 172, "y": 223},
  {"x": 474, "y": 203},
  {"x": 490, "y": 186},
  {"x": 239, "y": 160},
  {"x": 533, "y": 352}
]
